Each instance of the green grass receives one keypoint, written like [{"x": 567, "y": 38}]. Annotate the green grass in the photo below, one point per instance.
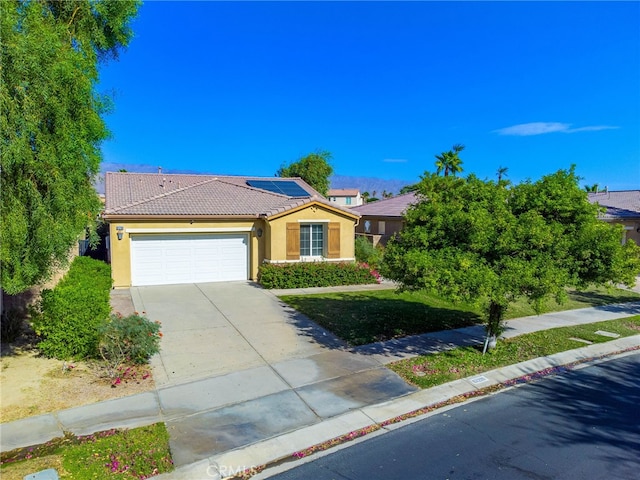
[
  {"x": 372, "y": 316},
  {"x": 136, "y": 453},
  {"x": 435, "y": 369}
]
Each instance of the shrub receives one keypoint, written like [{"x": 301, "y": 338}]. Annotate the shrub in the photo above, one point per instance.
[
  {"x": 313, "y": 274},
  {"x": 367, "y": 253},
  {"x": 68, "y": 317},
  {"x": 133, "y": 339}
]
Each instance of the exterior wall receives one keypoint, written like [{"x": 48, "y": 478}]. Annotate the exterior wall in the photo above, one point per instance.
[
  {"x": 630, "y": 229},
  {"x": 342, "y": 201},
  {"x": 120, "y": 250},
  {"x": 391, "y": 226},
  {"x": 276, "y": 245}
]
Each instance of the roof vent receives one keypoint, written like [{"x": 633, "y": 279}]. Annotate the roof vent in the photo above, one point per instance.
[{"x": 160, "y": 170}]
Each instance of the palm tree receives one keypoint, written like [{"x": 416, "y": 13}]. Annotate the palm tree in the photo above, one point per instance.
[
  {"x": 441, "y": 164},
  {"x": 450, "y": 162},
  {"x": 365, "y": 196},
  {"x": 592, "y": 188},
  {"x": 502, "y": 172}
]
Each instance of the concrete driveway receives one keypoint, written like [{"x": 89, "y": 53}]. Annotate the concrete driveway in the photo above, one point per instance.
[
  {"x": 212, "y": 329},
  {"x": 238, "y": 366}
]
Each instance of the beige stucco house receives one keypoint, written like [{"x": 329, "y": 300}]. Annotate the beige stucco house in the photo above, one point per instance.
[
  {"x": 622, "y": 207},
  {"x": 169, "y": 229}
]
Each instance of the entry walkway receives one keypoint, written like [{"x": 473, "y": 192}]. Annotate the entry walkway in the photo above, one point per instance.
[{"x": 296, "y": 393}]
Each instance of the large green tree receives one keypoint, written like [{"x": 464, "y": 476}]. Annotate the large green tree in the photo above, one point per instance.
[
  {"x": 478, "y": 240},
  {"x": 315, "y": 169},
  {"x": 51, "y": 124}
]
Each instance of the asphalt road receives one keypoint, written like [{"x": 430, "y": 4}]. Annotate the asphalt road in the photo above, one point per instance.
[{"x": 582, "y": 425}]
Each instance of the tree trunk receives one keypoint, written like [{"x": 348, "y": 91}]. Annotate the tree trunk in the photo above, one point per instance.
[{"x": 496, "y": 314}]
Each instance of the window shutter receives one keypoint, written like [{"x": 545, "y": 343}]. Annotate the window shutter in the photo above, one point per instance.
[
  {"x": 293, "y": 241},
  {"x": 333, "y": 242}
]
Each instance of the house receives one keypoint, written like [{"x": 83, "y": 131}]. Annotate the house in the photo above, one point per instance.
[
  {"x": 381, "y": 219},
  {"x": 622, "y": 207},
  {"x": 168, "y": 229},
  {"x": 345, "y": 197}
]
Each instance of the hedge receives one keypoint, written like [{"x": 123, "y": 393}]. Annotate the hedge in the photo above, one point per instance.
[
  {"x": 69, "y": 317},
  {"x": 314, "y": 274}
]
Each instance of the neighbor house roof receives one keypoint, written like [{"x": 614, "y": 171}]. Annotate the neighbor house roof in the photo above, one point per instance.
[
  {"x": 343, "y": 192},
  {"x": 157, "y": 194},
  {"x": 389, "y": 207},
  {"x": 623, "y": 204}
]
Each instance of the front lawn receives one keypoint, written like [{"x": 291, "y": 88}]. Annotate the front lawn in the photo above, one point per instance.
[
  {"x": 372, "y": 316},
  {"x": 136, "y": 453},
  {"x": 430, "y": 370}
]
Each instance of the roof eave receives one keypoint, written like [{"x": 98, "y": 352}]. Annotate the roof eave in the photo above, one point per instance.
[
  {"x": 123, "y": 217},
  {"x": 339, "y": 211}
]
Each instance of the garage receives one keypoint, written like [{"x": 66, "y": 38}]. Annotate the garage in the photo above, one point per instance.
[{"x": 171, "y": 259}]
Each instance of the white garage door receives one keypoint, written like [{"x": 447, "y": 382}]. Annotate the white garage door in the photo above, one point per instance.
[{"x": 169, "y": 259}]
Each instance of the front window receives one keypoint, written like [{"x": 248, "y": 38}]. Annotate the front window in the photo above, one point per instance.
[
  {"x": 348, "y": 201},
  {"x": 311, "y": 240}
]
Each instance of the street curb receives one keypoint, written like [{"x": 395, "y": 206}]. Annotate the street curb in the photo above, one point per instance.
[{"x": 277, "y": 452}]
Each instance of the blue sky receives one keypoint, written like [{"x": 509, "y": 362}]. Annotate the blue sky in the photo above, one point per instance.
[{"x": 243, "y": 87}]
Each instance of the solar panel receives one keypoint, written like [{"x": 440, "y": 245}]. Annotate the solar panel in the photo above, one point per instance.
[{"x": 284, "y": 187}]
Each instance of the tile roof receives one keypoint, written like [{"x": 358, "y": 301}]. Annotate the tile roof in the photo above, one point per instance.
[
  {"x": 620, "y": 205},
  {"x": 183, "y": 194},
  {"x": 389, "y": 207},
  {"x": 343, "y": 192}
]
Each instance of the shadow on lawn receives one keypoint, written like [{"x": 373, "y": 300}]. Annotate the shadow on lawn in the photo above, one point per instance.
[
  {"x": 602, "y": 298},
  {"x": 360, "y": 320}
]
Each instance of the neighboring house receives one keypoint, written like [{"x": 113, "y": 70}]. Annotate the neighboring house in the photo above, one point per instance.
[
  {"x": 382, "y": 218},
  {"x": 345, "y": 197},
  {"x": 168, "y": 229},
  {"x": 623, "y": 207}
]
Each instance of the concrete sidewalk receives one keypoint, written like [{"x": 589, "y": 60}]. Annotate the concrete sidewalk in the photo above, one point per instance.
[{"x": 259, "y": 415}]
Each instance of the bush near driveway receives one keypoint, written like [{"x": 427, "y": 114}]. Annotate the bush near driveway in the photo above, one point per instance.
[
  {"x": 314, "y": 274},
  {"x": 128, "y": 340},
  {"x": 68, "y": 318}
]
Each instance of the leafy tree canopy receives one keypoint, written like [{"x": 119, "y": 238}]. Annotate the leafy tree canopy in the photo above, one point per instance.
[
  {"x": 50, "y": 119},
  {"x": 409, "y": 188},
  {"x": 315, "y": 169},
  {"x": 477, "y": 240}
]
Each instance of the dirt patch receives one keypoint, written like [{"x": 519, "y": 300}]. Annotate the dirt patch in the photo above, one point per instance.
[
  {"x": 20, "y": 470},
  {"x": 33, "y": 385}
]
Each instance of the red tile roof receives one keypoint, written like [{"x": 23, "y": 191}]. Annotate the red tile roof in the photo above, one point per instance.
[{"x": 207, "y": 195}]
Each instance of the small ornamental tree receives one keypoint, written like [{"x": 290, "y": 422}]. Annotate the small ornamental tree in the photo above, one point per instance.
[{"x": 477, "y": 240}]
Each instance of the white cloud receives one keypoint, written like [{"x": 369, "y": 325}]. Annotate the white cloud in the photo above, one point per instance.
[
  {"x": 395, "y": 160},
  {"x": 594, "y": 128},
  {"x": 539, "y": 128}
]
